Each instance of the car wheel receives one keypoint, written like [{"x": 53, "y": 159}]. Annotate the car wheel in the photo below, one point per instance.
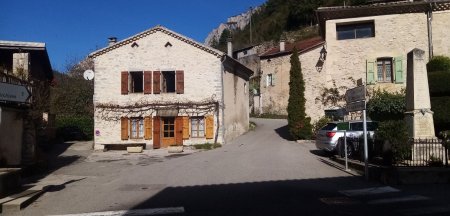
[{"x": 342, "y": 148}]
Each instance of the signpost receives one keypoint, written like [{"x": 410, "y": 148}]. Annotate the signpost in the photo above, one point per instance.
[
  {"x": 356, "y": 101},
  {"x": 14, "y": 93}
]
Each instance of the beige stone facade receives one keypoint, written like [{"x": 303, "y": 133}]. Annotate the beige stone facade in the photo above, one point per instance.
[
  {"x": 206, "y": 79},
  {"x": 377, "y": 58}
]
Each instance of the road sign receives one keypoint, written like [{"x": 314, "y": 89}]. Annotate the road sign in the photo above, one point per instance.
[
  {"x": 355, "y": 94},
  {"x": 356, "y": 106},
  {"x": 14, "y": 93}
]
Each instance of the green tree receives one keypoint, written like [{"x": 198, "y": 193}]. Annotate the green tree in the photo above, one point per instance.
[
  {"x": 299, "y": 125},
  {"x": 385, "y": 106}
]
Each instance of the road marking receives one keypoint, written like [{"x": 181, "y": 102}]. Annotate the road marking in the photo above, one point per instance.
[
  {"x": 398, "y": 199},
  {"x": 369, "y": 191},
  {"x": 133, "y": 212},
  {"x": 425, "y": 211}
]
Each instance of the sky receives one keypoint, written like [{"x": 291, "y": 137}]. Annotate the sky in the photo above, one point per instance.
[{"x": 72, "y": 29}]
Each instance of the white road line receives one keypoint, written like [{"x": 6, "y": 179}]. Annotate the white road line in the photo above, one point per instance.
[
  {"x": 398, "y": 199},
  {"x": 369, "y": 191},
  {"x": 133, "y": 212}
]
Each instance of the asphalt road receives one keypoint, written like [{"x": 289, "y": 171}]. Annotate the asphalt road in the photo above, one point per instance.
[{"x": 259, "y": 173}]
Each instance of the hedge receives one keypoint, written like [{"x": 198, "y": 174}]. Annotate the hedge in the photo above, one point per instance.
[
  {"x": 84, "y": 123},
  {"x": 439, "y": 63},
  {"x": 441, "y": 108},
  {"x": 439, "y": 83}
]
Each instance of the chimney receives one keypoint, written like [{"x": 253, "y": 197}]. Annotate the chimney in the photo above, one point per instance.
[
  {"x": 282, "y": 45},
  {"x": 112, "y": 40},
  {"x": 230, "y": 46}
]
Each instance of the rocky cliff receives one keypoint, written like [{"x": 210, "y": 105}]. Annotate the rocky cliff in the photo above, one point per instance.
[{"x": 234, "y": 22}]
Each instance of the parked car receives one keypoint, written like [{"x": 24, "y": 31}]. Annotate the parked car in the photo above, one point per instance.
[{"x": 328, "y": 137}]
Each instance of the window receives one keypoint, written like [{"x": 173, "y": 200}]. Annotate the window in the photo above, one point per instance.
[
  {"x": 136, "y": 82},
  {"x": 137, "y": 128},
  {"x": 197, "y": 127},
  {"x": 355, "y": 30},
  {"x": 384, "y": 70},
  {"x": 168, "y": 81},
  {"x": 270, "y": 80},
  {"x": 169, "y": 127}
]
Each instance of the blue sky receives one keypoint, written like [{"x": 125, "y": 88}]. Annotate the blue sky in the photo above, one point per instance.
[{"x": 72, "y": 29}]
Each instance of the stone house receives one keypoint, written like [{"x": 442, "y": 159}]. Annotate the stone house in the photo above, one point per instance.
[
  {"x": 371, "y": 42},
  {"x": 159, "y": 88},
  {"x": 24, "y": 67},
  {"x": 274, "y": 83},
  {"x": 368, "y": 42}
]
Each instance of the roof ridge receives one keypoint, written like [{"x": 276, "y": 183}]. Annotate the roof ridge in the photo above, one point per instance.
[{"x": 152, "y": 31}]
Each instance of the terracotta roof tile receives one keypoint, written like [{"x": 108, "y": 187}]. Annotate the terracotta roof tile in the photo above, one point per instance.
[{"x": 302, "y": 46}]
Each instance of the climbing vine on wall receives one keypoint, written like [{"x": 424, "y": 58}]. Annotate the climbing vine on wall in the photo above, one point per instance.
[{"x": 113, "y": 112}]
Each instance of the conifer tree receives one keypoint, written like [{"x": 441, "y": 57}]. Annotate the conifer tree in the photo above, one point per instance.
[{"x": 298, "y": 124}]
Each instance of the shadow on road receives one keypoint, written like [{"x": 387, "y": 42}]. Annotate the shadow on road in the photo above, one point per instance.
[
  {"x": 283, "y": 132},
  {"x": 285, "y": 197}
]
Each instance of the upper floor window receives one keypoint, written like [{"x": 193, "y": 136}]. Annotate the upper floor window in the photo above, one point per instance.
[
  {"x": 384, "y": 69},
  {"x": 355, "y": 30},
  {"x": 136, "y": 82},
  {"x": 168, "y": 81}
]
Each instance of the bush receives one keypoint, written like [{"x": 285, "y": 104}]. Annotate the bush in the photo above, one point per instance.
[
  {"x": 441, "y": 108},
  {"x": 439, "y": 63},
  {"x": 439, "y": 83},
  {"x": 396, "y": 134},
  {"x": 320, "y": 124},
  {"x": 386, "y": 106},
  {"x": 85, "y": 124}
]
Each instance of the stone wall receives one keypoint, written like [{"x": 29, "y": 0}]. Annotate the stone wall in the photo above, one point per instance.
[
  {"x": 441, "y": 36},
  {"x": 202, "y": 79},
  {"x": 395, "y": 36},
  {"x": 274, "y": 99},
  {"x": 11, "y": 127}
]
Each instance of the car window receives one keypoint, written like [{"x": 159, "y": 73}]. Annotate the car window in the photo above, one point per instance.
[
  {"x": 329, "y": 126},
  {"x": 356, "y": 126},
  {"x": 343, "y": 126}
]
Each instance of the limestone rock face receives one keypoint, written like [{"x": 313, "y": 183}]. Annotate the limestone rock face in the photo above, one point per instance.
[{"x": 239, "y": 22}]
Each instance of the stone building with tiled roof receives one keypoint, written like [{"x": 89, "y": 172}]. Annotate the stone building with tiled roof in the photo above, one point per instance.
[{"x": 159, "y": 88}]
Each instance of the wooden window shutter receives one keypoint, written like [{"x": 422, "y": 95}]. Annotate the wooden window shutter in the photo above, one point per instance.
[
  {"x": 209, "y": 126},
  {"x": 398, "y": 70},
  {"x": 179, "y": 130},
  {"x": 148, "y": 128},
  {"x": 371, "y": 74},
  {"x": 180, "y": 81},
  {"x": 156, "y": 82},
  {"x": 185, "y": 127},
  {"x": 124, "y": 82},
  {"x": 147, "y": 82},
  {"x": 156, "y": 132},
  {"x": 124, "y": 128}
]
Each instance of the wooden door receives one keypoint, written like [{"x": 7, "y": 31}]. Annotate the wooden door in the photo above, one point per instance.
[{"x": 168, "y": 131}]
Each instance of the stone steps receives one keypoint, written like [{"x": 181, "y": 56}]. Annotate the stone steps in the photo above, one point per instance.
[{"x": 14, "y": 203}]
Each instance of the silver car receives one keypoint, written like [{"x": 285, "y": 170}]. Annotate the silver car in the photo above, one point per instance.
[{"x": 327, "y": 137}]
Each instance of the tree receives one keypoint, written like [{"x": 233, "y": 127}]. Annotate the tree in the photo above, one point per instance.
[{"x": 298, "y": 124}]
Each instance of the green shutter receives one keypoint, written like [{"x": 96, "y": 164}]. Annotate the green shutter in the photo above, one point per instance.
[
  {"x": 371, "y": 76},
  {"x": 273, "y": 79},
  {"x": 398, "y": 70}
]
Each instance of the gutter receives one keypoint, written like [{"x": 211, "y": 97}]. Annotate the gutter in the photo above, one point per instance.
[{"x": 222, "y": 70}]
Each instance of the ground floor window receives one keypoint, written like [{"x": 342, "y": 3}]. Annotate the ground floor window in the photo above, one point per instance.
[
  {"x": 169, "y": 127},
  {"x": 197, "y": 126},
  {"x": 137, "y": 128}
]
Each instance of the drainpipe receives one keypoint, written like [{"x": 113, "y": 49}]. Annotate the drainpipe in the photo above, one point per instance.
[
  {"x": 222, "y": 70},
  {"x": 430, "y": 32}
]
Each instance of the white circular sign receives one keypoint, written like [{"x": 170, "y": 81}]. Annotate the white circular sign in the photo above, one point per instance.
[{"x": 88, "y": 75}]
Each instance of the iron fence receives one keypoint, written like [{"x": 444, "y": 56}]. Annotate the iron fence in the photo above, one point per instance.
[{"x": 414, "y": 153}]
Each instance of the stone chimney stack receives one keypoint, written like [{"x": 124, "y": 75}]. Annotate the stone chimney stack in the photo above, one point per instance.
[
  {"x": 282, "y": 45},
  {"x": 112, "y": 40},
  {"x": 230, "y": 46}
]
